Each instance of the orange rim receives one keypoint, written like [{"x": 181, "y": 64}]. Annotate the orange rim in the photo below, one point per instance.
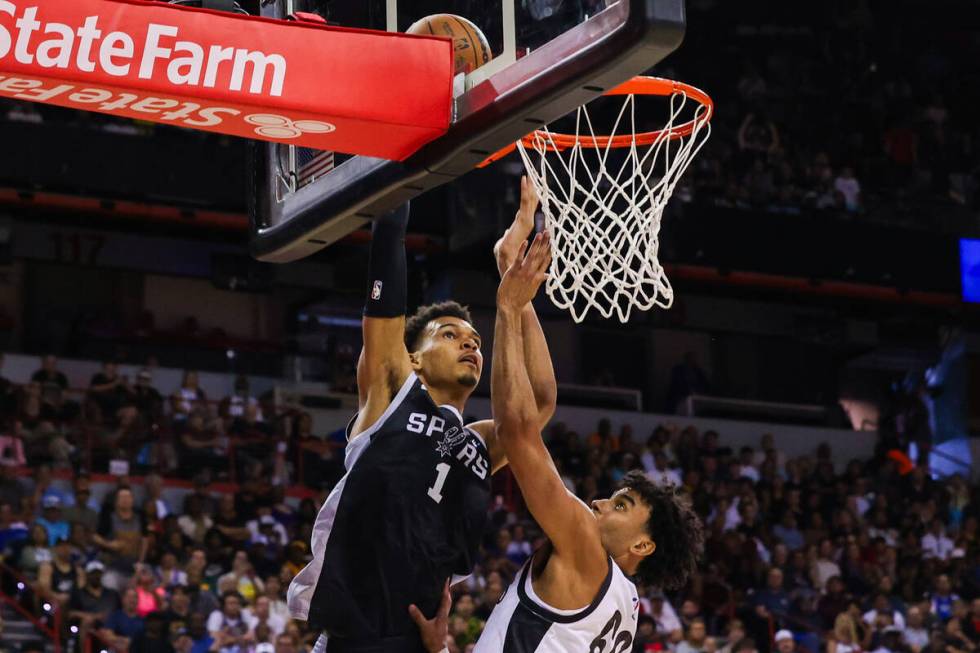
[{"x": 636, "y": 86}]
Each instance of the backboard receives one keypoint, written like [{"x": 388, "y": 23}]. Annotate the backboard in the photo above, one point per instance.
[{"x": 550, "y": 56}]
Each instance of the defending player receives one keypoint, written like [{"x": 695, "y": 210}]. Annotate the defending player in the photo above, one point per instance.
[
  {"x": 410, "y": 511},
  {"x": 574, "y": 594}
]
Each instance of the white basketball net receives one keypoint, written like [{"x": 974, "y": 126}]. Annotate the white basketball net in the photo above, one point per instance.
[{"x": 603, "y": 212}]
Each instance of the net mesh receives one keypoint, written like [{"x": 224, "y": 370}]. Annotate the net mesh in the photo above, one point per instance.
[{"x": 603, "y": 206}]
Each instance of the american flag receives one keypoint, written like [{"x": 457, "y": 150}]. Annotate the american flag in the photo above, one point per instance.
[{"x": 312, "y": 165}]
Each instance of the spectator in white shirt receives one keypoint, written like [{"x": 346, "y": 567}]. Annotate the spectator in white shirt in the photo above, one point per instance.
[
  {"x": 666, "y": 617},
  {"x": 662, "y": 474},
  {"x": 935, "y": 543},
  {"x": 261, "y": 614},
  {"x": 823, "y": 567},
  {"x": 849, "y": 188},
  {"x": 883, "y": 614},
  {"x": 916, "y": 637}
]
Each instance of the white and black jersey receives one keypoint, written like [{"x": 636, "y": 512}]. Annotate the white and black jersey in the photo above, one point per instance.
[
  {"x": 523, "y": 623},
  {"x": 408, "y": 514}
]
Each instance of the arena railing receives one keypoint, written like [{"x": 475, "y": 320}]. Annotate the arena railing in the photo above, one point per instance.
[{"x": 21, "y": 594}]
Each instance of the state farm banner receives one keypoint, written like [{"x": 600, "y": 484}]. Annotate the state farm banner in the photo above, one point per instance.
[{"x": 330, "y": 88}]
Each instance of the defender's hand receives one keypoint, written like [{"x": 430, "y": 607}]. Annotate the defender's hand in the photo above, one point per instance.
[
  {"x": 434, "y": 631},
  {"x": 506, "y": 249},
  {"x": 525, "y": 275}
]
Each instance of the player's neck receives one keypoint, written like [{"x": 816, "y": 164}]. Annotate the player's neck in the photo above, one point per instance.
[
  {"x": 627, "y": 563},
  {"x": 455, "y": 397}
]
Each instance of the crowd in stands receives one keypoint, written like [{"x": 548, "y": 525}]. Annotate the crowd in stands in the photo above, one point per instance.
[
  {"x": 802, "y": 554},
  {"x": 833, "y": 109}
]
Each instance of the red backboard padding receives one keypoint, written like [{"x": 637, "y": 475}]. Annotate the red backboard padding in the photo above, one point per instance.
[{"x": 348, "y": 90}]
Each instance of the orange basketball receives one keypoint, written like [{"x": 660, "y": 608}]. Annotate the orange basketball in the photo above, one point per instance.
[{"x": 470, "y": 47}]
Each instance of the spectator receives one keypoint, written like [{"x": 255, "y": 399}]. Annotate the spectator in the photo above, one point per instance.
[
  {"x": 787, "y": 531},
  {"x": 695, "y": 640},
  {"x": 52, "y": 519},
  {"x": 188, "y": 398},
  {"x": 91, "y": 604},
  {"x": 194, "y": 523},
  {"x": 519, "y": 549},
  {"x": 242, "y": 578},
  {"x": 915, "y": 635},
  {"x": 663, "y": 613},
  {"x": 109, "y": 392},
  {"x": 273, "y": 591},
  {"x": 123, "y": 624},
  {"x": 36, "y": 552},
  {"x": 169, "y": 573},
  {"x": 935, "y": 543},
  {"x": 942, "y": 599},
  {"x": 53, "y": 384},
  {"x": 844, "y": 638},
  {"x": 122, "y": 537},
  {"x": 286, "y": 643},
  {"x": 890, "y": 640},
  {"x": 734, "y": 633},
  {"x": 12, "y": 446},
  {"x": 200, "y": 446},
  {"x": 849, "y": 188},
  {"x": 146, "y": 398},
  {"x": 154, "y": 638},
  {"x": 471, "y": 625},
  {"x": 823, "y": 567},
  {"x": 228, "y": 626},
  {"x": 646, "y": 640},
  {"x": 662, "y": 474},
  {"x": 882, "y": 614},
  {"x": 80, "y": 510},
  {"x": 772, "y": 601},
  {"x": 178, "y": 613},
  {"x": 234, "y": 406},
  {"x": 150, "y": 596},
  {"x": 60, "y": 577},
  {"x": 785, "y": 642},
  {"x": 261, "y": 615}
]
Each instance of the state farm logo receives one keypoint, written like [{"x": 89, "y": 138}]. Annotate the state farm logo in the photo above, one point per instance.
[
  {"x": 183, "y": 113},
  {"x": 271, "y": 125}
]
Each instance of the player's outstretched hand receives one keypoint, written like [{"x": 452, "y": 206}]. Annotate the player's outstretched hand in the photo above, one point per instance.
[
  {"x": 525, "y": 275},
  {"x": 434, "y": 631},
  {"x": 506, "y": 249}
]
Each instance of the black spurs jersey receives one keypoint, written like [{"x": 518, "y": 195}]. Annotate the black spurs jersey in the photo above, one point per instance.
[{"x": 408, "y": 514}]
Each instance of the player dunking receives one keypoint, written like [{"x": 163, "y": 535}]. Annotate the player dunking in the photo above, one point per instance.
[
  {"x": 409, "y": 513},
  {"x": 574, "y": 594}
]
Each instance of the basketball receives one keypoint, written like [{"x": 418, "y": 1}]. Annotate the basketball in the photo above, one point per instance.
[{"x": 470, "y": 47}]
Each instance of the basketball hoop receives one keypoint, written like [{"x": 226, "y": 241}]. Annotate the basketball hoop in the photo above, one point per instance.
[{"x": 603, "y": 211}]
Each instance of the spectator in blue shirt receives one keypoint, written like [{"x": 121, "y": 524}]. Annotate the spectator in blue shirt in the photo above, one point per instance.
[
  {"x": 787, "y": 531},
  {"x": 52, "y": 519},
  {"x": 772, "y": 601},
  {"x": 124, "y": 624}
]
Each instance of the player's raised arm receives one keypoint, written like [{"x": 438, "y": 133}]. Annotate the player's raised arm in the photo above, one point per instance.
[
  {"x": 537, "y": 358},
  {"x": 384, "y": 364},
  {"x": 566, "y": 521}
]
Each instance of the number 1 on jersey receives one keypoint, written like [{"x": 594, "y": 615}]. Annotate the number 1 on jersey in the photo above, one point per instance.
[{"x": 442, "y": 470}]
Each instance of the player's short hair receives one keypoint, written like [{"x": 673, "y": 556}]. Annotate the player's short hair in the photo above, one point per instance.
[
  {"x": 674, "y": 527},
  {"x": 415, "y": 325}
]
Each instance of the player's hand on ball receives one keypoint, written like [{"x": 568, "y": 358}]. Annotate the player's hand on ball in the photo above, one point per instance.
[
  {"x": 506, "y": 249},
  {"x": 434, "y": 631},
  {"x": 525, "y": 275}
]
